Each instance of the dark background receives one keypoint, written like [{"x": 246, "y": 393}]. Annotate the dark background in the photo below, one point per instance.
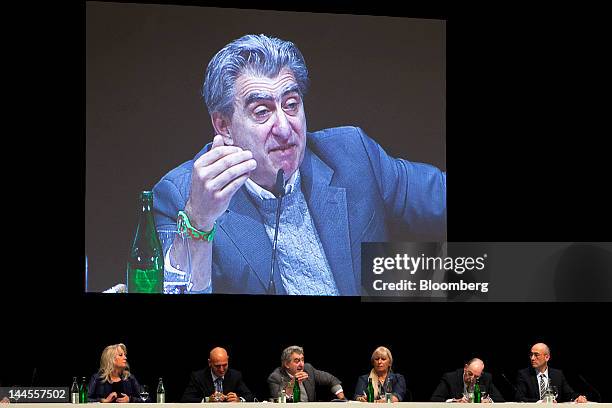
[{"x": 525, "y": 142}]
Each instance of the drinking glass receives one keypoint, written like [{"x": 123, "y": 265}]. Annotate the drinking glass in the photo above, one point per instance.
[
  {"x": 388, "y": 397},
  {"x": 177, "y": 263},
  {"x": 484, "y": 394},
  {"x": 468, "y": 394},
  {"x": 144, "y": 393},
  {"x": 554, "y": 391}
]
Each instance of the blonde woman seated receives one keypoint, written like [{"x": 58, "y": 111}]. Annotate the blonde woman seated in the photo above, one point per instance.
[
  {"x": 114, "y": 382},
  {"x": 382, "y": 379}
]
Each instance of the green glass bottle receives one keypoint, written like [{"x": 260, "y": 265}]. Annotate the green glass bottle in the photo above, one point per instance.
[
  {"x": 145, "y": 266},
  {"x": 296, "y": 390},
  {"x": 477, "y": 393},
  {"x": 370, "y": 390},
  {"x": 83, "y": 391}
]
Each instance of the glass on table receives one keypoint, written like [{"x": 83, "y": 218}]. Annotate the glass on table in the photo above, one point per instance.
[
  {"x": 553, "y": 391},
  {"x": 285, "y": 392},
  {"x": 468, "y": 395},
  {"x": 282, "y": 393},
  {"x": 484, "y": 394},
  {"x": 144, "y": 393},
  {"x": 177, "y": 260}
]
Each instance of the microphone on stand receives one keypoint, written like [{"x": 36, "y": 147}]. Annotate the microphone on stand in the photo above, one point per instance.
[
  {"x": 516, "y": 390},
  {"x": 591, "y": 387},
  {"x": 33, "y": 377},
  {"x": 279, "y": 192}
]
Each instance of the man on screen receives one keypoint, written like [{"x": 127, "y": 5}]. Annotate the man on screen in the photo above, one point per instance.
[
  {"x": 340, "y": 187},
  {"x": 532, "y": 382}
]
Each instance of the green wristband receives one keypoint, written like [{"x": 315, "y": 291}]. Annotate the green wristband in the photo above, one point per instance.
[{"x": 184, "y": 226}]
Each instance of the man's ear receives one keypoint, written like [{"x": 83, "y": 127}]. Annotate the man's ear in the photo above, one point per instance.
[{"x": 222, "y": 125}]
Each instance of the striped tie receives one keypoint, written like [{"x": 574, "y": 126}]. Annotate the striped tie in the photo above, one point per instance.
[
  {"x": 542, "y": 385},
  {"x": 219, "y": 384}
]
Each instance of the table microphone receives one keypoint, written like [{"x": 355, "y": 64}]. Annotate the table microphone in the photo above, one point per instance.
[
  {"x": 279, "y": 192},
  {"x": 591, "y": 387},
  {"x": 33, "y": 376}
]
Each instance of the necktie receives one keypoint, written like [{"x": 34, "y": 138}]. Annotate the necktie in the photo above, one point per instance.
[
  {"x": 542, "y": 385},
  {"x": 219, "y": 384}
]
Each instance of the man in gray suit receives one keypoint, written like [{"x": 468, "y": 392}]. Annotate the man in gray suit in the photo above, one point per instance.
[{"x": 293, "y": 368}]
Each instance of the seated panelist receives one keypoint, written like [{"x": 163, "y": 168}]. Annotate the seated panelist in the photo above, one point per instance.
[
  {"x": 292, "y": 369},
  {"x": 382, "y": 379},
  {"x": 113, "y": 382},
  {"x": 218, "y": 382}
]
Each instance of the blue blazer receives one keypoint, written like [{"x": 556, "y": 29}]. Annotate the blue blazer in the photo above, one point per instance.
[
  {"x": 398, "y": 385},
  {"x": 353, "y": 189}
]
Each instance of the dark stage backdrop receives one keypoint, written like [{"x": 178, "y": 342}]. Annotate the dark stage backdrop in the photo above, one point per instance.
[{"x": 170, "y": 336}]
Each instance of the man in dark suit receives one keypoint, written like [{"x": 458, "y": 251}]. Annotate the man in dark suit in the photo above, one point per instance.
[
  {"x": 218, "y": 382},
  {"x": 533, "y": 381},
  {"x": 454, "y": 385},
  {"x": 293, "y": 368}
]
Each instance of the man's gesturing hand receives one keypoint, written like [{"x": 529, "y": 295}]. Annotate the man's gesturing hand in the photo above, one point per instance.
[{"x": 215, "y": 178}]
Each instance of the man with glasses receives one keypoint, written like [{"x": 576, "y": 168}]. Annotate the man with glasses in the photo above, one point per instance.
[
  {"x": 456, "y": 385},
  {"x": 532, "y": 382}
]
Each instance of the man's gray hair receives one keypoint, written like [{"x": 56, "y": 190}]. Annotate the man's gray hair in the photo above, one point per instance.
[
  {"x": 286, "y": 355},
  {"x": 254, "y": 54}
]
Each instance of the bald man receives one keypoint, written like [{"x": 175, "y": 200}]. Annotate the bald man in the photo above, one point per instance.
[
  {"x": 218, "y": 382},
  {"x": 454, "y": 385},
  {"x": 532, "y": 381}
]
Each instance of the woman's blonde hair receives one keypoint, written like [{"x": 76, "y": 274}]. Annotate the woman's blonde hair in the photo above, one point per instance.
[
  {"x": 382, "y": 350},
  {"x": 373, "y": 375},
  {"x": 107, "y": 362}
]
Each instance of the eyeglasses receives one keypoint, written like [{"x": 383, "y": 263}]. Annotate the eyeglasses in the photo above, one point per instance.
[{"x": 471, "y": 374}]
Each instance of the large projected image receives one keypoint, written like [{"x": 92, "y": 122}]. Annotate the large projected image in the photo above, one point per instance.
[{"x": 253, "y": 152}]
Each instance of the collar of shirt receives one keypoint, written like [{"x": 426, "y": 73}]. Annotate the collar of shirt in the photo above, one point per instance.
[
  {"x": 288, "y": 373},
  {"x": 264, "y": 194},
  {"x": 214, "y": 377},
  {"x": 291, "y": 377},
  {"x": 546, "y": 378}
]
